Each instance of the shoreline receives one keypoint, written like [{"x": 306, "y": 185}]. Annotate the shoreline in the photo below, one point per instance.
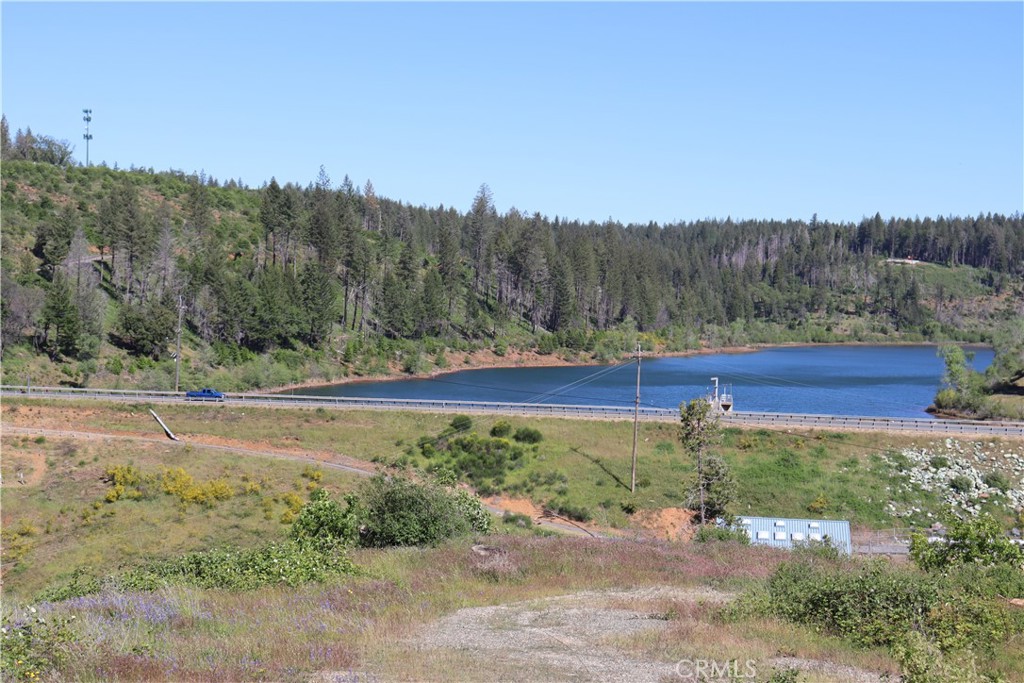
[{"x": 486, "y": 359}]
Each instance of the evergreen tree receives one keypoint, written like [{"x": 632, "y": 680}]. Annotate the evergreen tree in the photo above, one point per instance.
[
  {"x": 714, "y": 487},
  {"x": 479, "y": 226},
  {"x": 435, "y": 303},
  {"x": 323, "y": 231},
  {"x": 59, "y": 312},
  {"x": 449, "y": 259},
  {"x": 147, "y": 328},
  {"x": 317, "y": 302},
  {"x": 198, "y": 208},
  {"x": 53, "y": 237},
  {"x": 563, "y": 304},
  {"x": 5, "y": 138},
  {"x": 273, "y": 216}
]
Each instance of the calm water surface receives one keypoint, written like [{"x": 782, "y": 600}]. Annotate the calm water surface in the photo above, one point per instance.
[{"x": 891, "y": 381}]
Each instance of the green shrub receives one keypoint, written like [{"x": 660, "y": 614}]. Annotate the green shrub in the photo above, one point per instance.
[
  {"x": 997, "y": 480},
  {"x": 528, "y": 435},
  {"x": 709, "y": 533},
  {"x": 574, "y": 512},
  {"x": 871, "y": 603},
  {"x": 818, "y": 505},
  {"x": 514, "y": 518},
  {"x": 461, "y": 423},
  {"x": 939, "y": 462},
  {"x": 961, "y": 483},
  {"x": 877, "y": 604},
  {"x": 287, "y": 563},
  {"x": 501, "y": 429},
  {"x": 32, "y": 645},
  {"x": 114, "y": 365},
  {"x": 968, "y": 541},
  {"x": 921, "y": 661},
  {"x": 399, "y": 512},
  {"x": 323, "y": 520},
  {"x": 483, "y": 460},
  {"x": 471, "y": 507}
]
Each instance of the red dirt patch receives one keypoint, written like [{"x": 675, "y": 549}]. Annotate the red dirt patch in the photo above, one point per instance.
[
  {"x": 519, "y": 506},
  {"x": 671, "y": 524},
  {"x": 23, "y": 469}
]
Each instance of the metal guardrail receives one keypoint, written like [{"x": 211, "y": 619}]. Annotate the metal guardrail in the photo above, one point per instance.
[
  {"x": 773, "y": 420},
  {"x": 993, "y": 428}
]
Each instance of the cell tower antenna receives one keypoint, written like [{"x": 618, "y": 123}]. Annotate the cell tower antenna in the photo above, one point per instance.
[{"x": 88, "y": 136}]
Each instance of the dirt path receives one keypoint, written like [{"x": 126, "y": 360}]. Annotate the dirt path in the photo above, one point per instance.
[{"x": 570, "y": 638}]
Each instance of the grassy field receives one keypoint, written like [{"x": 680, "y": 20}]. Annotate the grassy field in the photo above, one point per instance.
[
  {"x": 61, "y": 520},
  {"x": 370, "y": 623},
  {"x": 581, "y": 465},
  {"x": 64, "y": 518}
]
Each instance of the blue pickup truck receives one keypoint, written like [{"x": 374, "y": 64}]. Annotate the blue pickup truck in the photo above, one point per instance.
[{"x": 206, "y": 394}]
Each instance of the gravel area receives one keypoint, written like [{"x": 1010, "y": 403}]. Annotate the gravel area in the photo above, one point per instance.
[{"x": 565, "y": 639}]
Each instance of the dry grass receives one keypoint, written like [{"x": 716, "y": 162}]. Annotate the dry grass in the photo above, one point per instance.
[{"x": 364, "y": 623}]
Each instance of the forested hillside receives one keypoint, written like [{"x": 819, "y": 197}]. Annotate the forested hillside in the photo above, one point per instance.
[{"x": 282, "y": 283}]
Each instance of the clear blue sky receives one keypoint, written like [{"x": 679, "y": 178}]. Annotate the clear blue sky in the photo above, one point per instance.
[{"x": 639, "y": 112}]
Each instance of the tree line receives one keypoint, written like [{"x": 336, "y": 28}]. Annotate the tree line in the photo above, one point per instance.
[{"x": 286, "y": 265}]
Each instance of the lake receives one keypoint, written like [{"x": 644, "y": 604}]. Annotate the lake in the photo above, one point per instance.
[{"x": 889, "y": 381}]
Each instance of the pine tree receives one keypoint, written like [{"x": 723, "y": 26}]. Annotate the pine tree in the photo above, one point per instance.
[
  {"x": 53, "y": 236},
  {"x": 479, "y": 225},
  {"x": 59, "y": 312},
  {"x": 323, "y": 231},
  {"x": 272, "y": 216},
  {"x": 432, "y": 311},
  {"x": 317, "y": 300},
  {"x": 449, "y": 259},
  {"x": 5, "y": 138},
  {"x": 714, "y": 487}
]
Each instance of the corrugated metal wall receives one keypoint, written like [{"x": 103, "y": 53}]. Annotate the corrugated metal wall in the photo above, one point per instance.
[{"x": 782, "y": 532}]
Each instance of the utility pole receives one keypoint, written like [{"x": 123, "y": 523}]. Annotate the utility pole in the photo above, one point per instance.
[
  {"x": 177, "y": 352},
  {"x": 636, "y": 420},
  {"x": 88, "y": 136}
]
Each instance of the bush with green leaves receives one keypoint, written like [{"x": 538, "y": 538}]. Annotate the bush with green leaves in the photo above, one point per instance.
[
  {"x": 323, "y": 521},
  {"x": 32, "y": 644},
  {"x": 961, "y": 483},
  {"x": 528, "y": 435},
  {"x": 997, "y": 480},
  {"x": 921, "y": 661},
  {"x": 877, "y": 604},
  {"x": 482, "y": 459},
  {"x": 501, "y": 429},
  {"x": 709, "y": 534},
  {"x": 977, "y": 540},
  {"x": 397, "y": 511},
  {"x": 872, "y": 603},
  {"x": 276, "y": 563},
  {"x": 473, "y": 509},
  {"x": 578, "y": 513}
]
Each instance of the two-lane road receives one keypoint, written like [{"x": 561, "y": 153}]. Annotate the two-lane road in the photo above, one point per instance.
[{"x": 966, "y": 428}]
